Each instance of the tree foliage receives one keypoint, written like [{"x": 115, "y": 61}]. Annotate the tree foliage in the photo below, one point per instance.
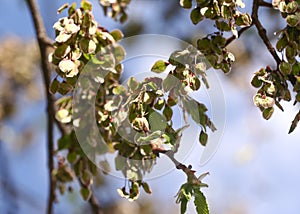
[{"x": 87, "y": 59}]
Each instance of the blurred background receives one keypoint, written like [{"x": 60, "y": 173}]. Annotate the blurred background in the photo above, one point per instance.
[{"x": 255, "y": 169}]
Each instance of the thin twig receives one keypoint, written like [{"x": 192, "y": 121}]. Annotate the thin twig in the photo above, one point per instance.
[
  {"x": 170, "y": 154},
  {"x": 43, "y": 42},
  {"x": 262, "y": 31},
  {"x": 95, "y": 205},
  {"x": 240, "y": 32},
  {"x": 62, "y": 128}
]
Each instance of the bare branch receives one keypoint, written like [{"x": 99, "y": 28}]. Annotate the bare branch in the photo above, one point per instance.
[
  {"x": 96, "y": 208},
  {"x": 262, "y": 31},
  {"x": 43, "y": 42},
  {"x": 62, "y": 128},
  {"x": 186, "y": 169},
  {"x": 240, "y": 32}
]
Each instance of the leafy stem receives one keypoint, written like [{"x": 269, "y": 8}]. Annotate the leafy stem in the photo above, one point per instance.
[
  {"x": 190, "y": 173},
  {"x": 45, "y": 44}
]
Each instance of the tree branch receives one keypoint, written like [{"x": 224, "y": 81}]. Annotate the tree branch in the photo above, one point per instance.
[
  {"x": 43, "y": 42},
  {"x": 96, "y": 208},
  {"x": 62, "y": 128},
  {"x": 186, "y": 169},
  {"x": 240, "y": 32},
  {"x": 262, "y": 31},
  {"x": 265, "y": 4}
]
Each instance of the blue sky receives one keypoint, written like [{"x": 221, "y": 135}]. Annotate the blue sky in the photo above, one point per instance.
[{"x": 255, "y": 169}]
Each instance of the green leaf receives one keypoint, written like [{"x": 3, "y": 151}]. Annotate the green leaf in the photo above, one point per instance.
[
  {"x": 282, "y": 43},
  {"x": 296, "y": 68},
  {"x": 62, "y": 188},
  {"x": 170, "y": 138},
  {"x": 172, "y": 100},
  {"x": 72, "y": 9},
  {"x": 170, "y": 82},
  {"x": 54, "y": 86},
  {"x": 203, "y": 44},
  {"x": 85, "y": 193},
  {"x": 119, "y": 53},
  {"x": 157, "y": 121},
  {"x": 152, "y": 136},
  {"x": 134, "y": 191},
  {"x": 78, "y": 167},
  {"x": 119, "y": 90},
  {"x": 191, "y": 106},
  {"x": 183, "y": 205},
  {"x": 86, "y": 21},
  {"x": 219, "y": 41},
  {"x": 93, "y": 168},
  {"x": 293, "y": 20},
  {"x": 267, "y": 113},
  {"x": 71, "y": 157},
  {"x": 86, "y": 177},
  {"x": 123, "y": 18},
  {"x": 186, "y": 3},
  {"x": 243, "y": 20},
  {"x": 159, "y": 104},
  {"x": 200, "y": 201},
  {"x": 196, "y": 16},
  {"x": 132, "y": 84},
  {"x": 222, "y": 25},
  {"x": 298, "y": 97},
  {"x": 117, "y": 34},
  {"x": 285, "y": 68},
  {"x": 203, "y": 138},
  {"x": 64, "y": 174},
  {"x": 146, "y": 188},
  {"x": 119, "y": 162},
  {"x": 159, "y": 66},
  {"x": 168, "y": 112},
  {"x": 292, "y": 7},
  {"x": 256, "y": 82},
  {"x": 64, "y": 142},
  {"x": 290, "y": 52},
  {"x": 64, "y": 88},
  {"x": 86, "y": 5},
  {"x": 105, "y": 167},
  {"x": 295, "y": 122}
]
